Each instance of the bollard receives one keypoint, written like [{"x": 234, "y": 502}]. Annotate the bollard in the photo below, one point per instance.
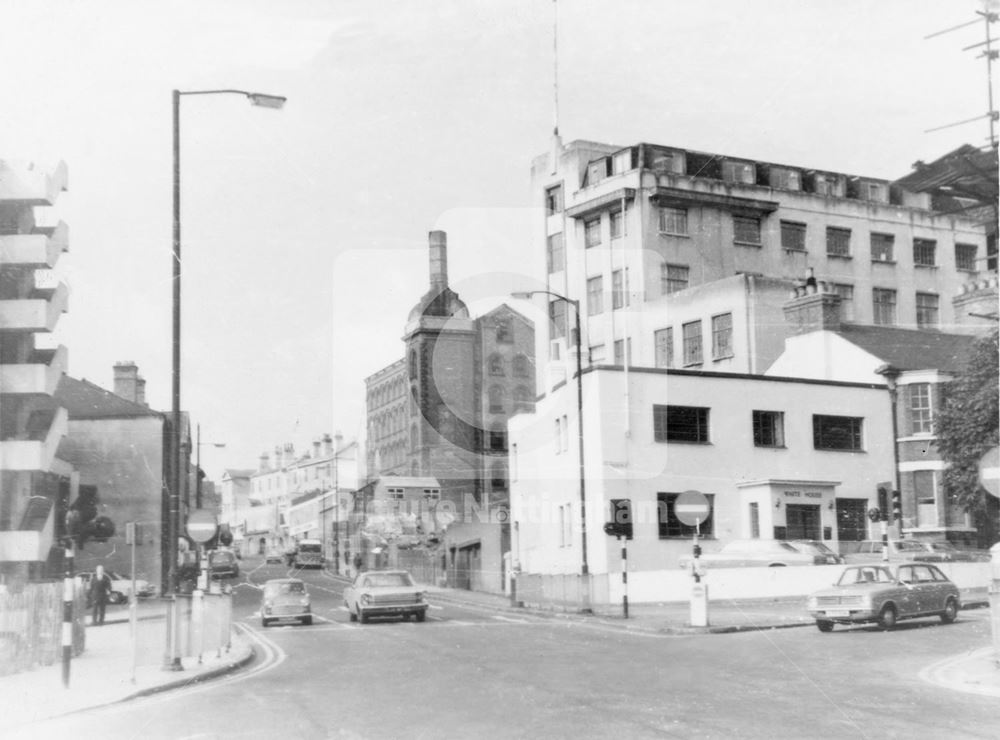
[{"x": 198, "y": 618}]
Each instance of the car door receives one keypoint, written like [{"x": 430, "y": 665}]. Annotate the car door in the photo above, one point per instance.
[{"x": 908, "y": 602}]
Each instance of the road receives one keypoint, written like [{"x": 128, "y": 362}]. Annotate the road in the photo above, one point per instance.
[{"x": 466, "y": 672}]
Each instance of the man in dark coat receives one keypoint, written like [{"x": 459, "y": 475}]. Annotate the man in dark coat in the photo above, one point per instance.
[{"x": 100, "y": 593}]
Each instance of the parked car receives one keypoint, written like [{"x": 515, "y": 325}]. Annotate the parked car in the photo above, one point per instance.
[
  {"x": 121, "y": 586},
  {"x": 273, "y": 556},
  {"x": 870, "y": 551},
  {"x": 283, "y": 599},
  {"x": 947, "y": 552},
  {"x": 750, "y": 553},
  {"x": 815, "y": 547},
  {"x": 385, "y": 593},
  {"x": 885, "y": 594},
  {"x": 222, "y": 564}
]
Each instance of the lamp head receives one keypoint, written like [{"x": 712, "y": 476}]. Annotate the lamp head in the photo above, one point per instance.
[
  {"x": 267, "y": 101},
  {"x": 522, "y": 294}
]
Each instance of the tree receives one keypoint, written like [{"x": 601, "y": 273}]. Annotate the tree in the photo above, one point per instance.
[{"x": 967, "y": 425}]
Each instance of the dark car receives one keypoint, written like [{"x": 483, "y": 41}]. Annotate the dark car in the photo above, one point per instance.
[{"x": 222, "y": 564}]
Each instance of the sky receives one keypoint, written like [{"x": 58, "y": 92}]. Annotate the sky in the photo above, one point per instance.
[{"x": 304, "y": 230}]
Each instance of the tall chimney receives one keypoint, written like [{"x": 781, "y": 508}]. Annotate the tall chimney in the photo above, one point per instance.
[
  {"x": 316, "y": 445},
  {"x": 140, "y": 391},
  {"x": 126, "y": 379},
  {"x": 277, "y": 457},
  {"x": 439, "y": 260},
  {"x": 340, "y": 440},
  {"x": 327, "y": 445},
  {"x": 265, "y": 462}
]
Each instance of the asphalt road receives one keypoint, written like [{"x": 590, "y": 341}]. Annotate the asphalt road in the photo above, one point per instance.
[{"x": 467, "y": 673}]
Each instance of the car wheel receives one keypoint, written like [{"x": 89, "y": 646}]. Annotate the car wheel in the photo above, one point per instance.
[
  {"x": 887, "y": 617},
  {"x": 307, "y": 621},
  {"x": 420, "y": 616},
  {"x": 950, "y": 611},
  {"x": 776, "y": 565},
  {"x": 363, "y": 617},
  {"x": 265, "y": 622},
  {"x": 116, "y": 597},
  {"x": 350, "y": 613},
  {"x": 824, "y": 626}
]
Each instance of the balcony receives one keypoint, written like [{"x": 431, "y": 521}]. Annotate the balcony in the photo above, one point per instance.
[
  {"x": 35, "y": 450},
  {"x": 28, "y": 184},
  {"x": 40, "y": 312},
  {"x": 39, "y": 376},
  {"x": 42, "y": 248}
]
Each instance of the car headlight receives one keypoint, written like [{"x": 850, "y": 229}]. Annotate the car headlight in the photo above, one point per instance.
[
  {"x": 366, "y": 598},
  {"x": 305, "y": 601},
  {"x": 421, "y": 595}
]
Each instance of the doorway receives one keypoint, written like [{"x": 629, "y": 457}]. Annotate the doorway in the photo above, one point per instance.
[{"x": 802, "y": 522}]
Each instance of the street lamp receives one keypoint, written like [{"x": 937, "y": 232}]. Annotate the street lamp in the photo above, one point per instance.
[
  {"x": 584, "y": 567},
  {"x": 172, "y": 529},
  {"x": 891, "y": 375},
  {"x": 197, "y": 465}
]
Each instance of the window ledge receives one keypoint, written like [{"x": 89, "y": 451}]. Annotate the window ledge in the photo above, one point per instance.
[
  {"x": 770, "y": 447},
  {"x": 674, "y": 233},
  {"x": 925, "y": 267},
  {"x": 686, "y": 537},
  {"x": 681, "y": 442},
  {"x": 795, "y": 250},
  {"x": 692, "y": 364},
  {"x": 839, "y": 256},
  {"x": 730, "y": 356},
  {"x": 738, "y": 243},
  {"x": 883, "y": 262},
  {"x": 831, "y": 449}
]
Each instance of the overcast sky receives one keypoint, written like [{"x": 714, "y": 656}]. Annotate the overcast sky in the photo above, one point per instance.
[{"x": 304, "y": 230}]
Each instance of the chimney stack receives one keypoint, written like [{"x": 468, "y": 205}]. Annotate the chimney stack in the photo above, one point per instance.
[
  {"x": 126, "y": 380},
  {"x": 316, "y": 447},
  {"x": 439, "y": 260},
  {"x": 277, "y": 457},
  {"x": 265, "y": 462},
  {"x": 327, "y": 445},
  {"x": 140, "y": 391},
  {"x": 339, "y": 438},
  {"x": 814, "y": 306}
]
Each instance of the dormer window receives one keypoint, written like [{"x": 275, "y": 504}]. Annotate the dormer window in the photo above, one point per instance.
[
  {"x": 785, "y": 178},
  {"x": 827, "y": 184},
  {"x": 739, "y": 172},
  {"x": 597, "y": 170},
  {"x": 876, "y": 192}
]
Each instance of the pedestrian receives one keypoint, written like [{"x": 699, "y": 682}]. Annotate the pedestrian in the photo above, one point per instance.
[{"x": 100, "y": 591}]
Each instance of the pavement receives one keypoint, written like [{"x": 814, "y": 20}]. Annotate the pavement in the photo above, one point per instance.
[{"x": 106, "y": 672}]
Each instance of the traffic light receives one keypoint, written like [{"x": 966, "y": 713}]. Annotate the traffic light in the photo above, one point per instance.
[
  {"x": 82, "y": 521},
  {"x": 621, "y": 519},
  {"x": 897, "y": 506},
  {"x": 883, "y": 499}
]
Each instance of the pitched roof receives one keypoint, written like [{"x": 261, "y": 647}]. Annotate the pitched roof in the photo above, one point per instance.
[
  {"x": 910, "y": 349},
  {"x": 84, "y": 400}
]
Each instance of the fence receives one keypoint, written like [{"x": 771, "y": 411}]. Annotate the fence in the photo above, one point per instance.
[
  {"x": 205, "y": 623},
  {"x": 31, "y": 626}
]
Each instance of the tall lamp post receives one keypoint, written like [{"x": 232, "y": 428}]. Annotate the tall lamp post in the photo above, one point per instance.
[
  {"x": 584, "y": 566},
  {"x": 891, "y": 375},
  {"x": 173, "y": 528}
]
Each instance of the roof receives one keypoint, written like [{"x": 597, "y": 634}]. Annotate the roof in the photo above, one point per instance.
[
  {"x": 910, "y": 349},
  {"x": 965, "y": 172},
  {"x": 84, "y": 400},
  {"x": 239, "y": 472}
]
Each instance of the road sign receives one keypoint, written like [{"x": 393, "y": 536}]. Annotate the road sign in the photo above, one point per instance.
[
  {"x": 201, "y": 526},
  {"x": 989, "y": 471},
  {"x": 692, "y": 508}
]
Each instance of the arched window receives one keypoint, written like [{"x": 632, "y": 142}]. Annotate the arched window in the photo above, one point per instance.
[
  {"x": 521, "y": 368},
  {"x": 523, "y": 399},
  {"x": 496, "y": 399},
  {"x": 495, "y": 364}
]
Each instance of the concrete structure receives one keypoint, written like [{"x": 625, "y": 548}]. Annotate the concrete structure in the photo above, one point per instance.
[{"x": 36, "y": 484}]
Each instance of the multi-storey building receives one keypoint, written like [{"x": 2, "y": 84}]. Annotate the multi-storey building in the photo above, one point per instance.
[
  {"x": 632, "y": 231},
  {"x": 35, "y": 483}
]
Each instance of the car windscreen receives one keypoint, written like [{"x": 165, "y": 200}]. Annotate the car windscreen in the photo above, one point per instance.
[
  {"x": 273, "y": 589},
  {"x": 870, "y": 574},
  {"x": 310, "y": 548},
  {"x": 381, "y": 580},
  {"x": 220, "y": 558}
]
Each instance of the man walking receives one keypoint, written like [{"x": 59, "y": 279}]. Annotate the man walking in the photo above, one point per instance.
[{"x": 100, "y": 592}]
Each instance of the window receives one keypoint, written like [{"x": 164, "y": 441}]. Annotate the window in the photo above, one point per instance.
[
  {"x": 884, "y": 305},
  {"x": 592, "y": 232},
  {"x": 882, "y": 245},
  {"x": 498, "y": 438},
  {"x": 746, "y": 230},
  {"x": 495, "y": 364},
  {"x": 692, "y": 343},
  {"x": 521, "y": 366},
  {"x": 557, "y": 316},
  {"x": 754, "y": 520},
  {"x": 768, "y": 429},
  {"x": 555, "y": 253},
  {"x": 512, "y": 461},
  {"x": 553, "y": 200},
  {"x": 619, "y": 288},
  {"x": 838, "y": 242},
  {"x": 670, "y": 526},
  {"x": 923, "y": 493},
  {"x": 837, "y": 432},
  {"x": 680, "y": 424},
  {"x": 674, "y": 221},
  {"x": 921, "y": 420},
  {"x": 793, "y": 236},
  {"x": 523, "y": 400},
  {"x": 846, "y": 293},
  {"x": 923, "y": 252},
  {"x": 875, "y": 191},
  {"x": 785, "y": 178},
  {"x": 498, "y": 480},
  {"x": 597, "y": 353},
  {"x": 503, "y": 333},
  {"x": 616, "y": 224},
  {"x": 722, "y": 336},
  {"x": 741, "y": 172},
  {"x": 927, "y": 310},
  {"x": 595, "y": 296},
  {"x": 558, "y": 435},
  {"x": 965, "y": 257},
  {"x": 673, "y": 277},
  {"x": 828, "y": 185},
  {"x": 620, "y": 351},
  {"x": 496, "y": 399},
  {"x": 663, "y": 340}
]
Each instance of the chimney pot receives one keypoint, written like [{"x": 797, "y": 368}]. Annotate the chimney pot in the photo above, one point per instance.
[{"x": 438, "y": 260}]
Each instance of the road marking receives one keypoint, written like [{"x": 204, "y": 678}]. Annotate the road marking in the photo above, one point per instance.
[
  {"x": 511, "y": 619},
  {"x": 435, "y": 606}
]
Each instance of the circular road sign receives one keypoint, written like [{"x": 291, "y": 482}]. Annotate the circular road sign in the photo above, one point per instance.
[
  {"x": 692, "y": 508},
  {"x": 989, "y": 471},
  {"x": 201, "y": 526}
]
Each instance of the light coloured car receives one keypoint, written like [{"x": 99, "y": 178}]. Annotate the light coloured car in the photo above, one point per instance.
[
  {"x": 755, "y": 553},
  {"x": 273, "y": 556},
  {"x": 885, "y": 594},
  {"x": 947, "y": 552},
  {"x": 285, "y": 599},
  {"x": 815, "y": 547},
  {"x": 385, "y": 593},
  {"x": 870, "y": 551},
  {"x": 121, "y": 586}
]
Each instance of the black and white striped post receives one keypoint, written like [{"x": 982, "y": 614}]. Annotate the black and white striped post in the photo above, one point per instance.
[
  {"x": 624, "y": 542},
  {"x": 67, "y": 625}
]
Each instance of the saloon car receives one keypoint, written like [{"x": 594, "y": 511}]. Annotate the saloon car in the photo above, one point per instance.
[
  {"x": 384, "y": 593},
  {"x": 285, "y": 599},
  {"x": 759, "y": 553},
  {"x": 947, "y": 552},
  {"x": 121, "y": 586},
  {"x": 885, "y": 594},
  {"x": 222, "y": 564},
  {"x": 815, "y": 547}
]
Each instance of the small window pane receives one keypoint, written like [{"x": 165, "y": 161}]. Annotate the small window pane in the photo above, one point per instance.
[
  {"x": 836, "y": 432},
  {"x": 592, "y": 232},
  {"x": 556, "y": 253},
  {"x": 768, "y": 429},
  {"x": 674, "y": 221},
  {"x": 882, "y": 245},
  {"x": 692, "y": 343},
  {"x": 595, "y": 296},
  {"x": 838, "y": 242},
  {"x": 722, "y": 336},
  {"x": 793, "y": 236},
  {"x": 923, "y": 252},
  {"x": 664, "y": 342},
  {"x": 680, "y": 424},
  {"x": 921, "y": 421},
  {"x": 673, "y": 277},
  {"x": 927, "y": 310},
  {"x": 965, "y": 257},
  {"x": 553, "y": 200},
  {"x": 746, "y": 230},
  {"x": 884, "y": 305}
]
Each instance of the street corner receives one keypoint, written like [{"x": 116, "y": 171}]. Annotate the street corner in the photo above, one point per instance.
[{"x": 975, "y": 672}]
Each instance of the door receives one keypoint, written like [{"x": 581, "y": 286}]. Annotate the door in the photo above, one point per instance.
[{"x": 802, "y": 522}]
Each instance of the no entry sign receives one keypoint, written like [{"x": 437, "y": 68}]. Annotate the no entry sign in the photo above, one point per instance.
[
  {"x": 201, "y": 526},
  {"x": 692, "y": 508}
]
